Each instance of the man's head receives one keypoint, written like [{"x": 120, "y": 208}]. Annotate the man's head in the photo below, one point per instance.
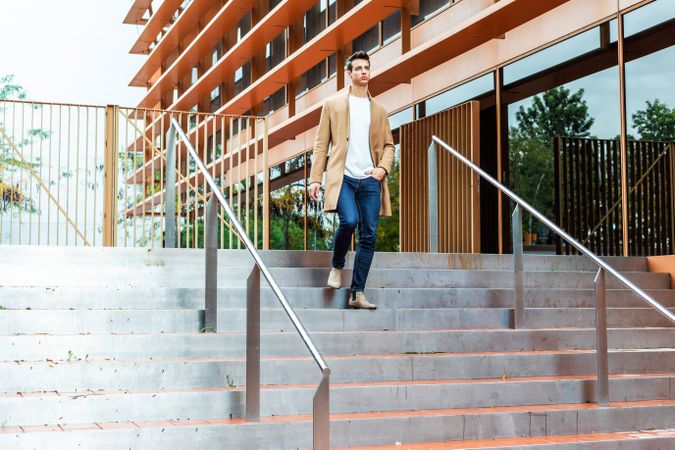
[{"x": 358, "y": 68}]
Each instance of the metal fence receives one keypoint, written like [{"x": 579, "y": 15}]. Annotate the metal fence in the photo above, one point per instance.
[
  {"x": 588, "y": 195},
  {"x": 95, "y": 175}
]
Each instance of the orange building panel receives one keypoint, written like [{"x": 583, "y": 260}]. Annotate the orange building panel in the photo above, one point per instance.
[
  {"x": 348, "y": 27},
  {"x": 136, "y": 12},
  {"x": 227, "y": 18},
  {"x": 155, "y": 25}
]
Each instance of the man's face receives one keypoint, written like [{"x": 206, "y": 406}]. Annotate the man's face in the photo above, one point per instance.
[{"x": 360, "y": 73}]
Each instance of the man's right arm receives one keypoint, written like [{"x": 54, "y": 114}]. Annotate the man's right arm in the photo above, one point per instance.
[{"x": 320, "y": 153}]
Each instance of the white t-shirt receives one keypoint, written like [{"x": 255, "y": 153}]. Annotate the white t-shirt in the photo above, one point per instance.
[{"x": 358, "y": 152}]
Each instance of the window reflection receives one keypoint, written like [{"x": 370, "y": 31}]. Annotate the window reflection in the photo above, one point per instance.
[
  {"x": 459, "y": 94},
  {"x": 563, "y": 117},
  {"x": 648, "y": 16},
  {"x": 321, "y": 226},
  {"x": 287, "y": 205},
  {"x": 650, "y": 117},
  {"x": 428, "y": 8},
  {"x": 558, "y": 53}
]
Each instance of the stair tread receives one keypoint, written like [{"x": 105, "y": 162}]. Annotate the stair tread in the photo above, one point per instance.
[
  {"x": 339, "y": 385},
  {"x": 524, "y": 441},
  {"x": 340, "y": 417},
  {"x": 113, "y": 304},
  {"x": 326, "y": 356}
]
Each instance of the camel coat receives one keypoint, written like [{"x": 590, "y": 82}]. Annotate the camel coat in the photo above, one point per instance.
[{"x": 334, "y": 130}]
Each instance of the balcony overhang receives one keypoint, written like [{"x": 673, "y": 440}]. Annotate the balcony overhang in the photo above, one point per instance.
[
  {"x": 347, "y": 28},
  {"x": 263, "y": 32},
  {"x": 136, "y": 12},
  {"x": 155, "y": 24}
]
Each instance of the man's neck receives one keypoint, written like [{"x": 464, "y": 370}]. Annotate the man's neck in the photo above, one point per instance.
[{"x": 359, "y": 91}]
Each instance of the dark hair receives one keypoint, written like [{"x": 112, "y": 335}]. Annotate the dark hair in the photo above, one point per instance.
[{"x": 357, "y": 55}]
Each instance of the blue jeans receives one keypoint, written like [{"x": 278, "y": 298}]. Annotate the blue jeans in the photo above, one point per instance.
[{"x": 358, "y": 205}]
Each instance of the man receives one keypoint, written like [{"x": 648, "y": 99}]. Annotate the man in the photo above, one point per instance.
[{"x": 361, "y": 152}]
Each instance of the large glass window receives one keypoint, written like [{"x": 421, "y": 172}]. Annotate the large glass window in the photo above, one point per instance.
[
  {"x": 556, "y": 54},
  {"x": 321, "y": 226},
  {"x": 459, "y": 94},
  {"x": 287, "y": 205},
  {"x": 650, "y": 116},
  {"x": 563, "y": 117}
]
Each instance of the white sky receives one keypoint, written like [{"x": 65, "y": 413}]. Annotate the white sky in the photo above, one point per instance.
[{"x": 70, "y": 51}]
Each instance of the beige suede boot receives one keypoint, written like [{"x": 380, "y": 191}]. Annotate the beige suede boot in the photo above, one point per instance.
[
  {"x": 335, "y": 278},
  {"x": 359, "y": 302}
]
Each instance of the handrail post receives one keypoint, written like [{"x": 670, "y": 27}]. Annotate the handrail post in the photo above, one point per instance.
[
  {"x": 170, "y": 190},
  {"x": 518, "y": 289},
  {"x": 321, "y": 414},
  {"x": 211, "y": 267},
  {"x": 110, "y": 171},
  {"x": 602, "y": 388},
  {"x": 432, "y": 171},
  {"x": 253, "y": 345}
]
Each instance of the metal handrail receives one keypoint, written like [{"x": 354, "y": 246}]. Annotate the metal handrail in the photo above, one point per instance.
[
  {"x": 602, "y": 264},
  {"x": 602, "y": 372},
  {"x": 321, "y": 400}
]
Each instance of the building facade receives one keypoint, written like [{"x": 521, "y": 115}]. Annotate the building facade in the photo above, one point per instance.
[{"x": 572, "y": 103}]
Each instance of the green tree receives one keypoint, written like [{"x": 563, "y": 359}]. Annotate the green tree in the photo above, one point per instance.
[
  {"x": 656, "y": 122},
  {"x": 557, "y": 112}
]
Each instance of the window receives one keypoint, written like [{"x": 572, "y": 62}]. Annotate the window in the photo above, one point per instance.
[
  {"x": 427, "y": 8},
  {"x": 242, "y": 78},
  {"x": 275, "y": 51},
  {"x": 216, "y": 54},
  {"x": 556, "y": 54},
  {"x": 275, "y": 101},
  {"x": 563, "y": 107},
  {"x": 459, "y": 94},
  {"x": 650, "y": 119}
]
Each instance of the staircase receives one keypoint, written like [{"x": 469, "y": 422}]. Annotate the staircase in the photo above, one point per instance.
[{"x": 103, "y": 349}]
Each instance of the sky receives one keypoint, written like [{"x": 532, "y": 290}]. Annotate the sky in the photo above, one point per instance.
[{"x": 70, "y": 51}]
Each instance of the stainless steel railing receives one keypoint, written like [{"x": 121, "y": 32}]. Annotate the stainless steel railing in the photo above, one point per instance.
[
  {"x": 321, "y": 423},
  {"x": 602, "y": 394}
]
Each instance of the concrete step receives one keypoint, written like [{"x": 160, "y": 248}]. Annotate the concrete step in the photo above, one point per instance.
[
  {"x": 220, "y": 345},
  {"x": 192, "y": 321},
  {"x": 316, "y": 277},
  {"x": 163, "y": 298},
  {"x": 165, "y": 373},
  {"x": 623, "y": 440},
  {"x": 463, "y": 427},
  {"x": 21, "y": 409},
  {"x": 194, "y": 258}
]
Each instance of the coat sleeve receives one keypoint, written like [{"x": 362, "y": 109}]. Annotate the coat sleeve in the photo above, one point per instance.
[
  {"x": 321, "y": 146},
  {"x": 387, "y": 147}
]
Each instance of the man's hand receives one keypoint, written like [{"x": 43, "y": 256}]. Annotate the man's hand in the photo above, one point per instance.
[
  {"x": 378, "y": 173},
  {"x": 313, "y": 191}
]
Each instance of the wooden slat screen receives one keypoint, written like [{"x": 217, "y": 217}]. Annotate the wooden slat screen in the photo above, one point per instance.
[
  {"x": 588, "y": 195},
  {"x": 458, "y": 198}
]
